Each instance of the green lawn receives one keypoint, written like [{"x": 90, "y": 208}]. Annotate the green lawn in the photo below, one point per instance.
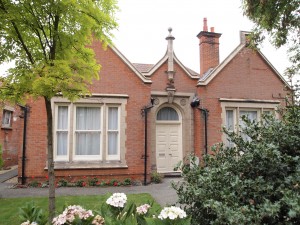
[{"x": 9, "y": 207}]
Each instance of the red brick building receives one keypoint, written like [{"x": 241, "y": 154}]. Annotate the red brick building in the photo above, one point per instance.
[{"x": 142, "y": 118}]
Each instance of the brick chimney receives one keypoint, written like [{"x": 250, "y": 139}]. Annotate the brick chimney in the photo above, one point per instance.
[{"x": 209, "y": 48}]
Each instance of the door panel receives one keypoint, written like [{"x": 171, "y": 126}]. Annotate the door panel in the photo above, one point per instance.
[{"x": 168, "y": 147}]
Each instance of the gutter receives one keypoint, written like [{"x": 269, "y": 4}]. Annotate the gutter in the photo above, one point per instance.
[
  {"x": 145, "y": 111},
  {"x": 25, "y": 110}
]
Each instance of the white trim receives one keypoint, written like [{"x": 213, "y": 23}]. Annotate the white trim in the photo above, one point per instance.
[
  {"x": 163, "y": 60},
  {"x": 249, "y": 100},
  {"x": 215, "y": 71},
  {"x": 63, "y": 157},
  {"x": 118, "y": 156}
]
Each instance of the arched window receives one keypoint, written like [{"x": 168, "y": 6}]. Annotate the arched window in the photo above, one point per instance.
[{"x": 167, "y": 113}]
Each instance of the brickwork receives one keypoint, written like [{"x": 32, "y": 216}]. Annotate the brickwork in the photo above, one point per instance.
[
  {"x": 11, "y": 137},
  {"x": 247, "y": 76}
]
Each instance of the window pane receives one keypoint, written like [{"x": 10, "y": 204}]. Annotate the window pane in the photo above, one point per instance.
[
  {"x": 87, "y": 143},
  {"x": 62, "y": 143},
  {"x": 252, "y": 116},
  {"x": 113, "y": 118},
  {"x": 62, "y": 118},
  {"x": 6, "y": 117},
  {"x": 113, "y": 143},
  {"x": 229, "y": 120},
  {"x": 62, "y": 131},
  {"x": 167, "y": 113},
  {"x": 87, "y": 118}
]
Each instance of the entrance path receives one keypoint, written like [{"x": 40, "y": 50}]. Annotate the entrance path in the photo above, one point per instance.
[{"x": 163, "y": 193}]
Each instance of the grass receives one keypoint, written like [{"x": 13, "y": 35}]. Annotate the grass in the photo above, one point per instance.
[{"x": 9, "y": 207}]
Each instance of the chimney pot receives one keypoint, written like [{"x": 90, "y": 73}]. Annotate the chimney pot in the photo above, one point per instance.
[
  {"x": 212, "y": 29},
  {"x": 205, "y": 24}
]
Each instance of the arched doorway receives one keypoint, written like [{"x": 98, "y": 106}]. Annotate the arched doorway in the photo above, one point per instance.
[{"x": 168, "y": 139}]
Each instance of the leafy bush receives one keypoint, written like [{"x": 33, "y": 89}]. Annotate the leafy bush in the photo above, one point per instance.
[
  {"x": 80, "y": 183},
  {"x": 31, "y": 213},
  {"x": 62, "y": 183},
  {"x": 156, "y": 177},
  {"x": 93, "y": 181},
  {"x": 255, "y": 182},
  {"x": 127, "y": 182}
]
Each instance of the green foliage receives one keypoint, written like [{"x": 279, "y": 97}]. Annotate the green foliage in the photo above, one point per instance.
[
  {"x": 62, "y": 183},
  {"x": 156, "y": 177},
  {"x": 93, "y": 181},
  {"x": 280, "y": 19},
  {"x": 127, "y": 182},
  {"x": 255, "y": 182},
  {"x": 32, "y": 213},
  {"x": 1, "y": 159},
  {"x": 49, "y": 42},
  {"x": 80, "y": 183}
]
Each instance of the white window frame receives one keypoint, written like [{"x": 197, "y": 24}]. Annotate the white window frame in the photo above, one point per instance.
[
  {"x": 238, "y": 105},
  {"x": 7, "y": 115},
  {"x": 98, "y": 100},
  {"x": 56, "y": 156},
  {"x": 87, "y": 157},
  {"x": 117, "y": 156}
]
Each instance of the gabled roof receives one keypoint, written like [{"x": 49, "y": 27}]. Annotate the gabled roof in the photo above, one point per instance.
[
  {"x": 213, "y": 72},
  {"x": 131, "y": 66},
  {"x": 148, "y": 71}
]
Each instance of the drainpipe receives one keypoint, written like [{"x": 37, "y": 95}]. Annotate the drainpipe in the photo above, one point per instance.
[
  {"x": 25, "y": 110},
  {"x": 205, "y": 112},
  {"x": 195, "y": 103},
  {"x": 145, "y": 111}
]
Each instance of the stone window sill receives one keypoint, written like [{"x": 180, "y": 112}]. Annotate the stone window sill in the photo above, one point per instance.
[{"x": 89, "y": 165}]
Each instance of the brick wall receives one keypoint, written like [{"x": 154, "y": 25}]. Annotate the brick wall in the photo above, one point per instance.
[{"x": 247, "y": 76}]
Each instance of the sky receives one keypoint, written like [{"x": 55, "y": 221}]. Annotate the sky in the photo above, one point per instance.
[{"x": 143, "y": 27}]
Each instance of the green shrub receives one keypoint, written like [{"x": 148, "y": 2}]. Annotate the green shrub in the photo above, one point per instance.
[
  {"x": 255, "y": 182},
  {"x": 80, "y": 183},
  {"x": 62, "y": 183},
  {"x": 34, "y": 183},
  {"x": 127, "y": 182},
  {"x": 93, "y": 181},
  {"x": 156, "y": 177},
  {"x": 32, "y": 213}
]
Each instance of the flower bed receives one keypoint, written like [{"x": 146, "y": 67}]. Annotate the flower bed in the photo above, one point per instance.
[{"x": 115, "y": 211}]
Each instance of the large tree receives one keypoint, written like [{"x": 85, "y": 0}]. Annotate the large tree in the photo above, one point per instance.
[
  {"x": 280, "y": 19},
  {"x": 48, "y": 41}
]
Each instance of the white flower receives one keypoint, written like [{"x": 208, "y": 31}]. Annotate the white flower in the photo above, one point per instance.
[
  {"x": 70, "y": 213},
  {"x": 143, "y": 209},
  {"x": 98, "y": 220},
  {"x": 28, "y": 223},
  {"x": 117, "y": 200},
  {"x": 172, "y": 213}
]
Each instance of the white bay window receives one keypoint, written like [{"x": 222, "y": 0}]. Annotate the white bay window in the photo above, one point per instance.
[{"x": 89, "y": 131}]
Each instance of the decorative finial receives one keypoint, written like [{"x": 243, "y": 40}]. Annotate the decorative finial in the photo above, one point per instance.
[{"x": 170, "y": 29}]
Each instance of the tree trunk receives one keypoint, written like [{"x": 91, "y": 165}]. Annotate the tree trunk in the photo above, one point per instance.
[{"x": 51, "y": 175}]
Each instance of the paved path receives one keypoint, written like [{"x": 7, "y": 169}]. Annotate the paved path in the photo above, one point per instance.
[
  {"x": 8, "y": 175},
  {"x": 163, "y": 193}
]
